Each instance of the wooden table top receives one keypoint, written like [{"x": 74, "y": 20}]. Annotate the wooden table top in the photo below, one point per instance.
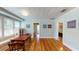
[{"x": 23, "y": 37}]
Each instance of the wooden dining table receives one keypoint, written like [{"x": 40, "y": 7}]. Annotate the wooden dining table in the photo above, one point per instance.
[{"x": 25, "y": 38}]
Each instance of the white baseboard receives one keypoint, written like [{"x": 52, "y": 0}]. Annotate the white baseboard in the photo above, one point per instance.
[{"x": 73, "y": 49}]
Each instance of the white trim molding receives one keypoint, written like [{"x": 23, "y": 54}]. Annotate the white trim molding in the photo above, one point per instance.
[
  {"x": 3, "y": 42},
  {"x": 73, "y": 49}
]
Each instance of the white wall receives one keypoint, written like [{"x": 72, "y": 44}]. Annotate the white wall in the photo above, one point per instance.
[
  {"x": 70, "y": 36},
  {"x": 44, "y": 33}
]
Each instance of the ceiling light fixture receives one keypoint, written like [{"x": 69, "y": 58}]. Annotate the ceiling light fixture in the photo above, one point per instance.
[{"x": 24, "y": 12}]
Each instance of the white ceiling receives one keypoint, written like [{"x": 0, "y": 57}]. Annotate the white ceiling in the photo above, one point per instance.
[{"x": 45, "y": 12}]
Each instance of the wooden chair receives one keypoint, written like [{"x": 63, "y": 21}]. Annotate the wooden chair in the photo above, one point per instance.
[
  {"x": 29, "y": 38},
  {"x": 16, "y": 46},
  {"x": 21, "y": 43}
]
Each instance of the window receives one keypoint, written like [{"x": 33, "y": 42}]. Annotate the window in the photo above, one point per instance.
[
  {"x": 0, "y": 27},
  {"x": 8, "y": 27},
  {"x": 16, "y": 27}
]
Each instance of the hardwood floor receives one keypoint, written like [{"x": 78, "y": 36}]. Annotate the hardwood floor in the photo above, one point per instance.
[
  {"x": 47, "y": 45},
  {"x": 4, "y": 47},
  {"x": 43, "y": 45}
]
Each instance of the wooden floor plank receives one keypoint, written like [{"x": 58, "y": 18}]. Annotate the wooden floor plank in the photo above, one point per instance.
[{"x": 43, "y": 45}]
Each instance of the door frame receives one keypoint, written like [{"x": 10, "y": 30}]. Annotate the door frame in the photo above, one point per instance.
[
  {"x": 60, "y": 34},
  {"x": 33, "y": 27}
]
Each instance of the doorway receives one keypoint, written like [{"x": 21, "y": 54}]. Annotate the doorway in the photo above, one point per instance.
[
  {"x": 36, "y": 32},
  {"x": 60, "y": 31}
]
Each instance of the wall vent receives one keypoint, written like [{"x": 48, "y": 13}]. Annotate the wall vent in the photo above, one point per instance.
[{"x": 63, "y": 10}]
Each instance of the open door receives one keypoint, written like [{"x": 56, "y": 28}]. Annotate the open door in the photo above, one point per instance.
[
  {"x": 60, "y": 31},
  {"x": 60, "y": 37},
  {"x": 36, "y": 30}
]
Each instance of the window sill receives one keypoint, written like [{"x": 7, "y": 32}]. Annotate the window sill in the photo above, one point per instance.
[{"x": 7, "y": 39}]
